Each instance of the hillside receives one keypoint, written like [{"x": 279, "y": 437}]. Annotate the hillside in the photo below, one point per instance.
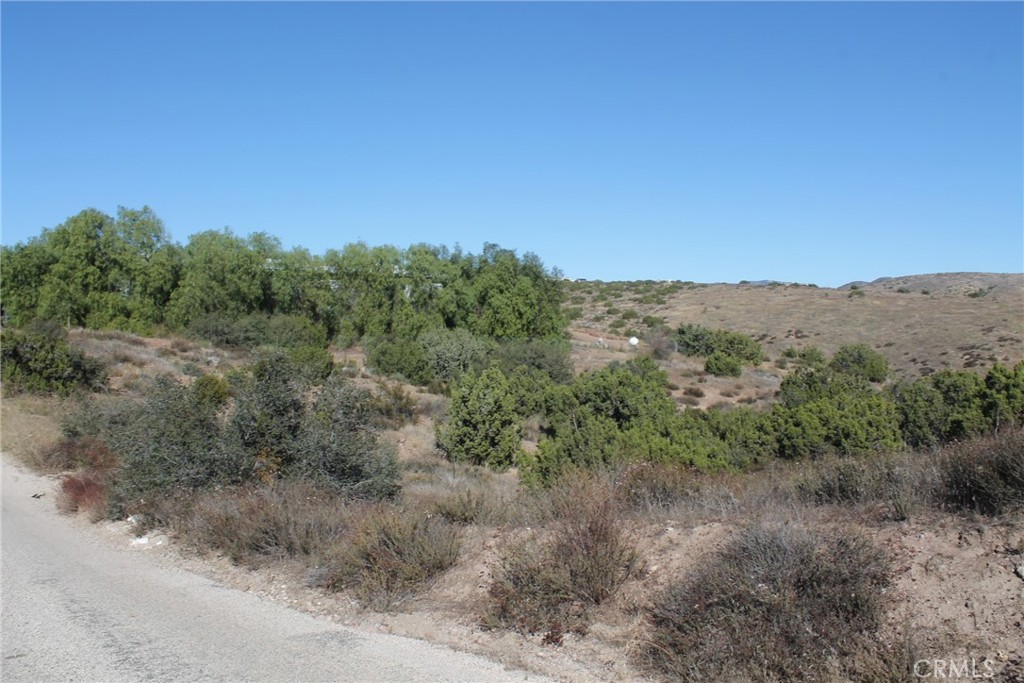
[
  {"x": 921, "y": 323},
  {"x": 952, "y": 578}
]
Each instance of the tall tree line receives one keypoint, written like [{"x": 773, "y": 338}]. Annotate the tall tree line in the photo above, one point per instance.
[{"x": 124, "y": 272}]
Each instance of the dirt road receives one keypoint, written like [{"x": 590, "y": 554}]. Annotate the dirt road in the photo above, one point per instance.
[{"x": 76, "y": 608}]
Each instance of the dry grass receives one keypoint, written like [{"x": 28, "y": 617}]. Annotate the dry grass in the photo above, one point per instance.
[
  {"x": 985, "y": 475},
  {"x": 917, "y": 334},
  {"x": 547, "y": 581},
  {"x": 27, "y": 424},
  {"x": 252, "y": 525},
  {"x": 383, "y": 554},
  {"x": 391, "y": 554},
  {"x": 82, "y": 453},
  {"x": 83, "y": 492},
  {"x": 130, "y": 358},
  {"x": 777, "y": 603}
]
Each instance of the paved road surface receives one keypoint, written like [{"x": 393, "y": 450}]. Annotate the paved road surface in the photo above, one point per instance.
[{"x": 76, "y": 609}]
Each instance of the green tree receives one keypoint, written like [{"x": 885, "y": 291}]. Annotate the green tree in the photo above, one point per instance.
[
  {"x": 922, "y": 412},
  {"x": 963, "y": 396},
  {"x": 452, "y": 353},
  {"x": 482, "y": 426},
  {"x": 222, "y": 275},
  {"x": 1004, "y": 395}
]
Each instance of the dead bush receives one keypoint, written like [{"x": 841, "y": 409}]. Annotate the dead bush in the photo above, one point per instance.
[
  {"x": 464, "y": 507},
  {"x": 647, "y": 486},
  {"x": 254, "y": 523},
  {"x": 85, "y": 452},
  {"x": 547, "y": 583},
  {"x": 984, "y": 475},
  {"x": 390, "y": 555},
  {"x": 83, "y": 492},
  {"x": 778, "y": 603}
]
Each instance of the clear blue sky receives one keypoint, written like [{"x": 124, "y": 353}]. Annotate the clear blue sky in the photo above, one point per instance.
[{"x": 696, "y": 141}]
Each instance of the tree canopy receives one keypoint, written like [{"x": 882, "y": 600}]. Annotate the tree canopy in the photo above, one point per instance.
[{"x": 123, "y": 272}]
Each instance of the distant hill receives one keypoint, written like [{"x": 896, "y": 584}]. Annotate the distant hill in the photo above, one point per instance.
[{"x": 921, "y": 323}]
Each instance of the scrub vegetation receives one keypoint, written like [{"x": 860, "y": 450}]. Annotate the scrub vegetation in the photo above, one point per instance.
[{"x": 366, "y": 414}]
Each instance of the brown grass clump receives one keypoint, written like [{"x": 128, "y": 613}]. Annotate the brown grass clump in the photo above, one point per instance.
[
  {"x": 83, "y": 492},
  {"x": 86, "y": 452},
  {"x": 86, "y": 489},
  {"x": 26, "y": 422},
  {"x": 778, "y": 603},
  {"x": 391, "y": 555},
  {"x": 464, "y": 507},
  {"x": 654, "y": 487},
  {"x": 253, "y": 524},
  {"x": 547, "y": 583},
  {"x": 985, "y": 475}
]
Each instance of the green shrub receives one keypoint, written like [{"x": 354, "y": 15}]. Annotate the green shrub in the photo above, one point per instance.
[
  {"x": 338, "y": 447},
  {"x": 860, "y": 360},
  {"x": 619, "y": 413},
  {"x": 1004, "y": 395},
  {"x": 721, "y": 364},
  {"x": 812, "y": 357},
  {"x": 212, "y": 390},
  {"x": 216, "y": 328},
  {"x": 844, "y": 424},
  {"x": 313, "y": 364},
  {"x": 403, "y": 358},
  {"x": 957, "y": 404},
  {"x": 452, "y": 353},
  {"x": 179, "y": 439},
  {"x": 528, "y": 387},
  {"x": 170, "y": 440},
  {"x": 40, "y": 360},
  {"x": 251, "y": 331},
  {"x": 267, "y": 416},
  {"x": 695, "y": 340},
  {"x": 775, "y": 604},
  {"x": 807, "y": 385},
  {"x": 483, "y": 427},
  {"x": 391, "y": 406}
]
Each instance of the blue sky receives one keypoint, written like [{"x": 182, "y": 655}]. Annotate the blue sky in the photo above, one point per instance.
[{"x": 809, "y": 142}]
